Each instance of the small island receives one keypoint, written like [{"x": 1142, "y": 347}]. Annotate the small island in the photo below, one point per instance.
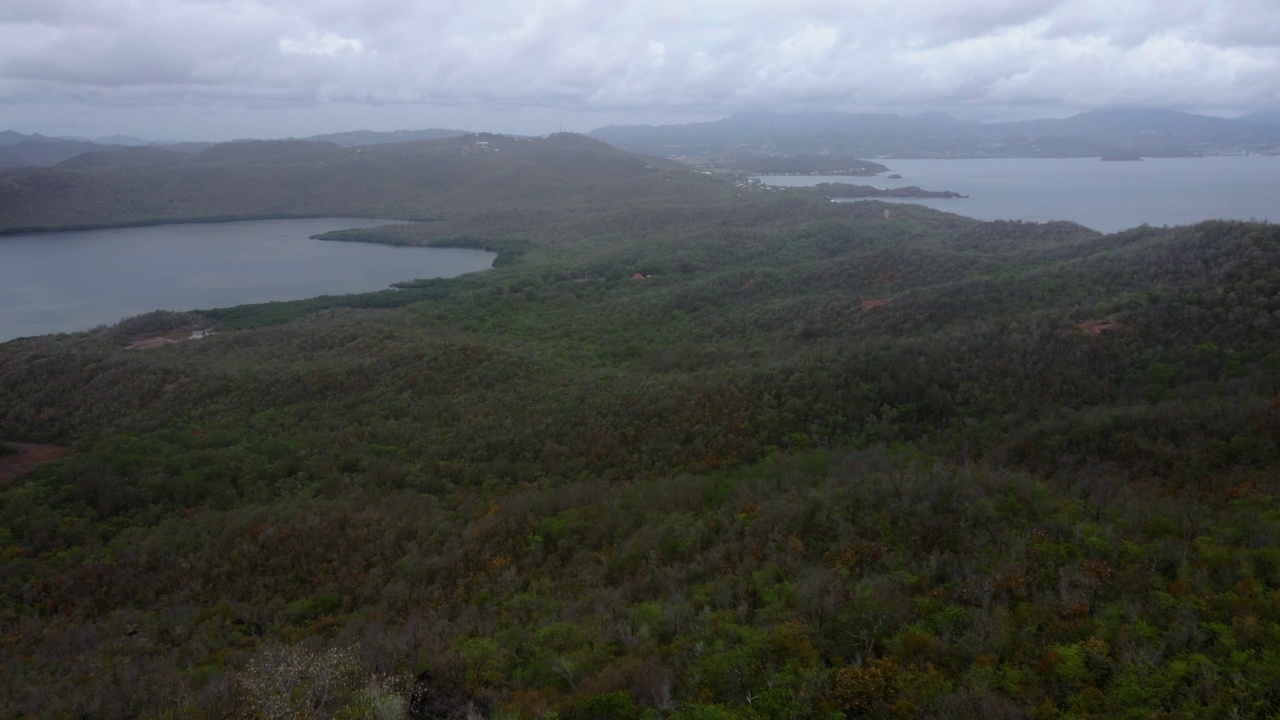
[
  {"x": 844, "y": 190},
  {"x": 1120, "y": 157}
]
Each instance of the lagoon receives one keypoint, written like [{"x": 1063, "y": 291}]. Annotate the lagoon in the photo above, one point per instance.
[
  {"x": 71, "y": 281},
  {"x": 1105, "y": 196}
]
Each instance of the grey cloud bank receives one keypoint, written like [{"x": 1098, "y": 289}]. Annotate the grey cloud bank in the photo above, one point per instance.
[{"x": 218, "y": 69}]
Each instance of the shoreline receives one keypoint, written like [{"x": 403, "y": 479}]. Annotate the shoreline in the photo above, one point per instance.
[{"x": 214, "y": 220}]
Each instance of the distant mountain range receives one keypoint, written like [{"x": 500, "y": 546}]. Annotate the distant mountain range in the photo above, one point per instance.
[
  {"x": 746, "y": 139},
  {"x": 19, "y": 149},
  {"x": 1262, "y": 118},
  {"x": 1151, "y": 133}
]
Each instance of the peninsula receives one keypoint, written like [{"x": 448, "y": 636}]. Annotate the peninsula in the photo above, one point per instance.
[{"x": 847, "y": 191}]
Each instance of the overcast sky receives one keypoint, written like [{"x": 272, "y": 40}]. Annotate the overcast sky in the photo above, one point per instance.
[{"x": 219, "y": 69}]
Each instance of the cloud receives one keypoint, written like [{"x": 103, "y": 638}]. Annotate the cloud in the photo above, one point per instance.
[
  {"x": 326, "y": 44},
  {"x": 714, "y": 56}
]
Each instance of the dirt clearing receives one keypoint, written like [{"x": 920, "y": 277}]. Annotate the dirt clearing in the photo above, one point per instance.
[{"x": 29, "y": 456}]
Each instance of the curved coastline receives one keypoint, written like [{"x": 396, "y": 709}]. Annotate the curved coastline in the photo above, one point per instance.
[
  {"x": 71, "y": 282},
  {"x": 859, "y": 192},
  {"x": 210, "y": 220}
]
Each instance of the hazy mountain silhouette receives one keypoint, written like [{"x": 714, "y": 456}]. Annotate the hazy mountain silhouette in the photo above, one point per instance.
[
  {"x": 283, "y": 178},
  {"x": 1089, "y": 134},
  {"x": 17, "y": 149}
]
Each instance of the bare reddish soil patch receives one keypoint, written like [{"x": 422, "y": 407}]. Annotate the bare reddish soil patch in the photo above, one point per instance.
[
  {"x": 1097, "y": 327},
  {"x": 169, "y": 339},
  {"x": 869, "y": 304},
  {"x": 29, "y": 456}
]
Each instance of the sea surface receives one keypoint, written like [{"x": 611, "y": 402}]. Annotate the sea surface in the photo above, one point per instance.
[
  {"x": 1105, "y": 196},
  {"x": 71, "y": 281}
]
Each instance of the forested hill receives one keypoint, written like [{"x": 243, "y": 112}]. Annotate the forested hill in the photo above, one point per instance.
[
  {"x": 765, "y": 458},
  {"x": 935, "y": 135},
  {"x": 283, "y": 178}
]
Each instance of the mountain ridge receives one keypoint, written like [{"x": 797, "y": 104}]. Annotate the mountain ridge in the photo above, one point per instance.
[
  {"x": 1088, "y": 134},
  {"x": 279, "y": 178},
  {"x": 932, "y": 134}
]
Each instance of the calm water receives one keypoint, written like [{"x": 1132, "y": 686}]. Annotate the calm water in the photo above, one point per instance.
[
  {"x": 63, "y": 282},
  {"x": 1105, "y": 196}
]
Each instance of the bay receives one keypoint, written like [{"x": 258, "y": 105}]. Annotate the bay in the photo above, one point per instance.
[
  {"x": 71, "y": 281},
  {"x": 1105, "y": 196}
]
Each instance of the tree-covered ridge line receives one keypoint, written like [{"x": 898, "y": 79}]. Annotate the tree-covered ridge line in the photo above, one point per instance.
[
  {"x": 174, "y": 220},
  {"x": 651, "y": 332},
  {"x": 819, "y": 461},
  {"x": 403, "y": 181}
]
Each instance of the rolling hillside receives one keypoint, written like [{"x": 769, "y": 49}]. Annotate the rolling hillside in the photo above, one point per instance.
[
  {"x": 683, "y": 454},
  {"x": 414, "y": 181}
]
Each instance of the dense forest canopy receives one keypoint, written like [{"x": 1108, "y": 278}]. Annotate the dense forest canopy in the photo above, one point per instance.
[
  {"x": 296, "y": 178},
  {"x": 696, "y": 451}
]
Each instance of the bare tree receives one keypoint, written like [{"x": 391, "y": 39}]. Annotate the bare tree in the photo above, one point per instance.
[{"x": 283, "y": 682}]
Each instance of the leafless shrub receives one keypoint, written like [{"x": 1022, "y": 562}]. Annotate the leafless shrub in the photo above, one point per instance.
[{"x": 290, "y": 681}]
